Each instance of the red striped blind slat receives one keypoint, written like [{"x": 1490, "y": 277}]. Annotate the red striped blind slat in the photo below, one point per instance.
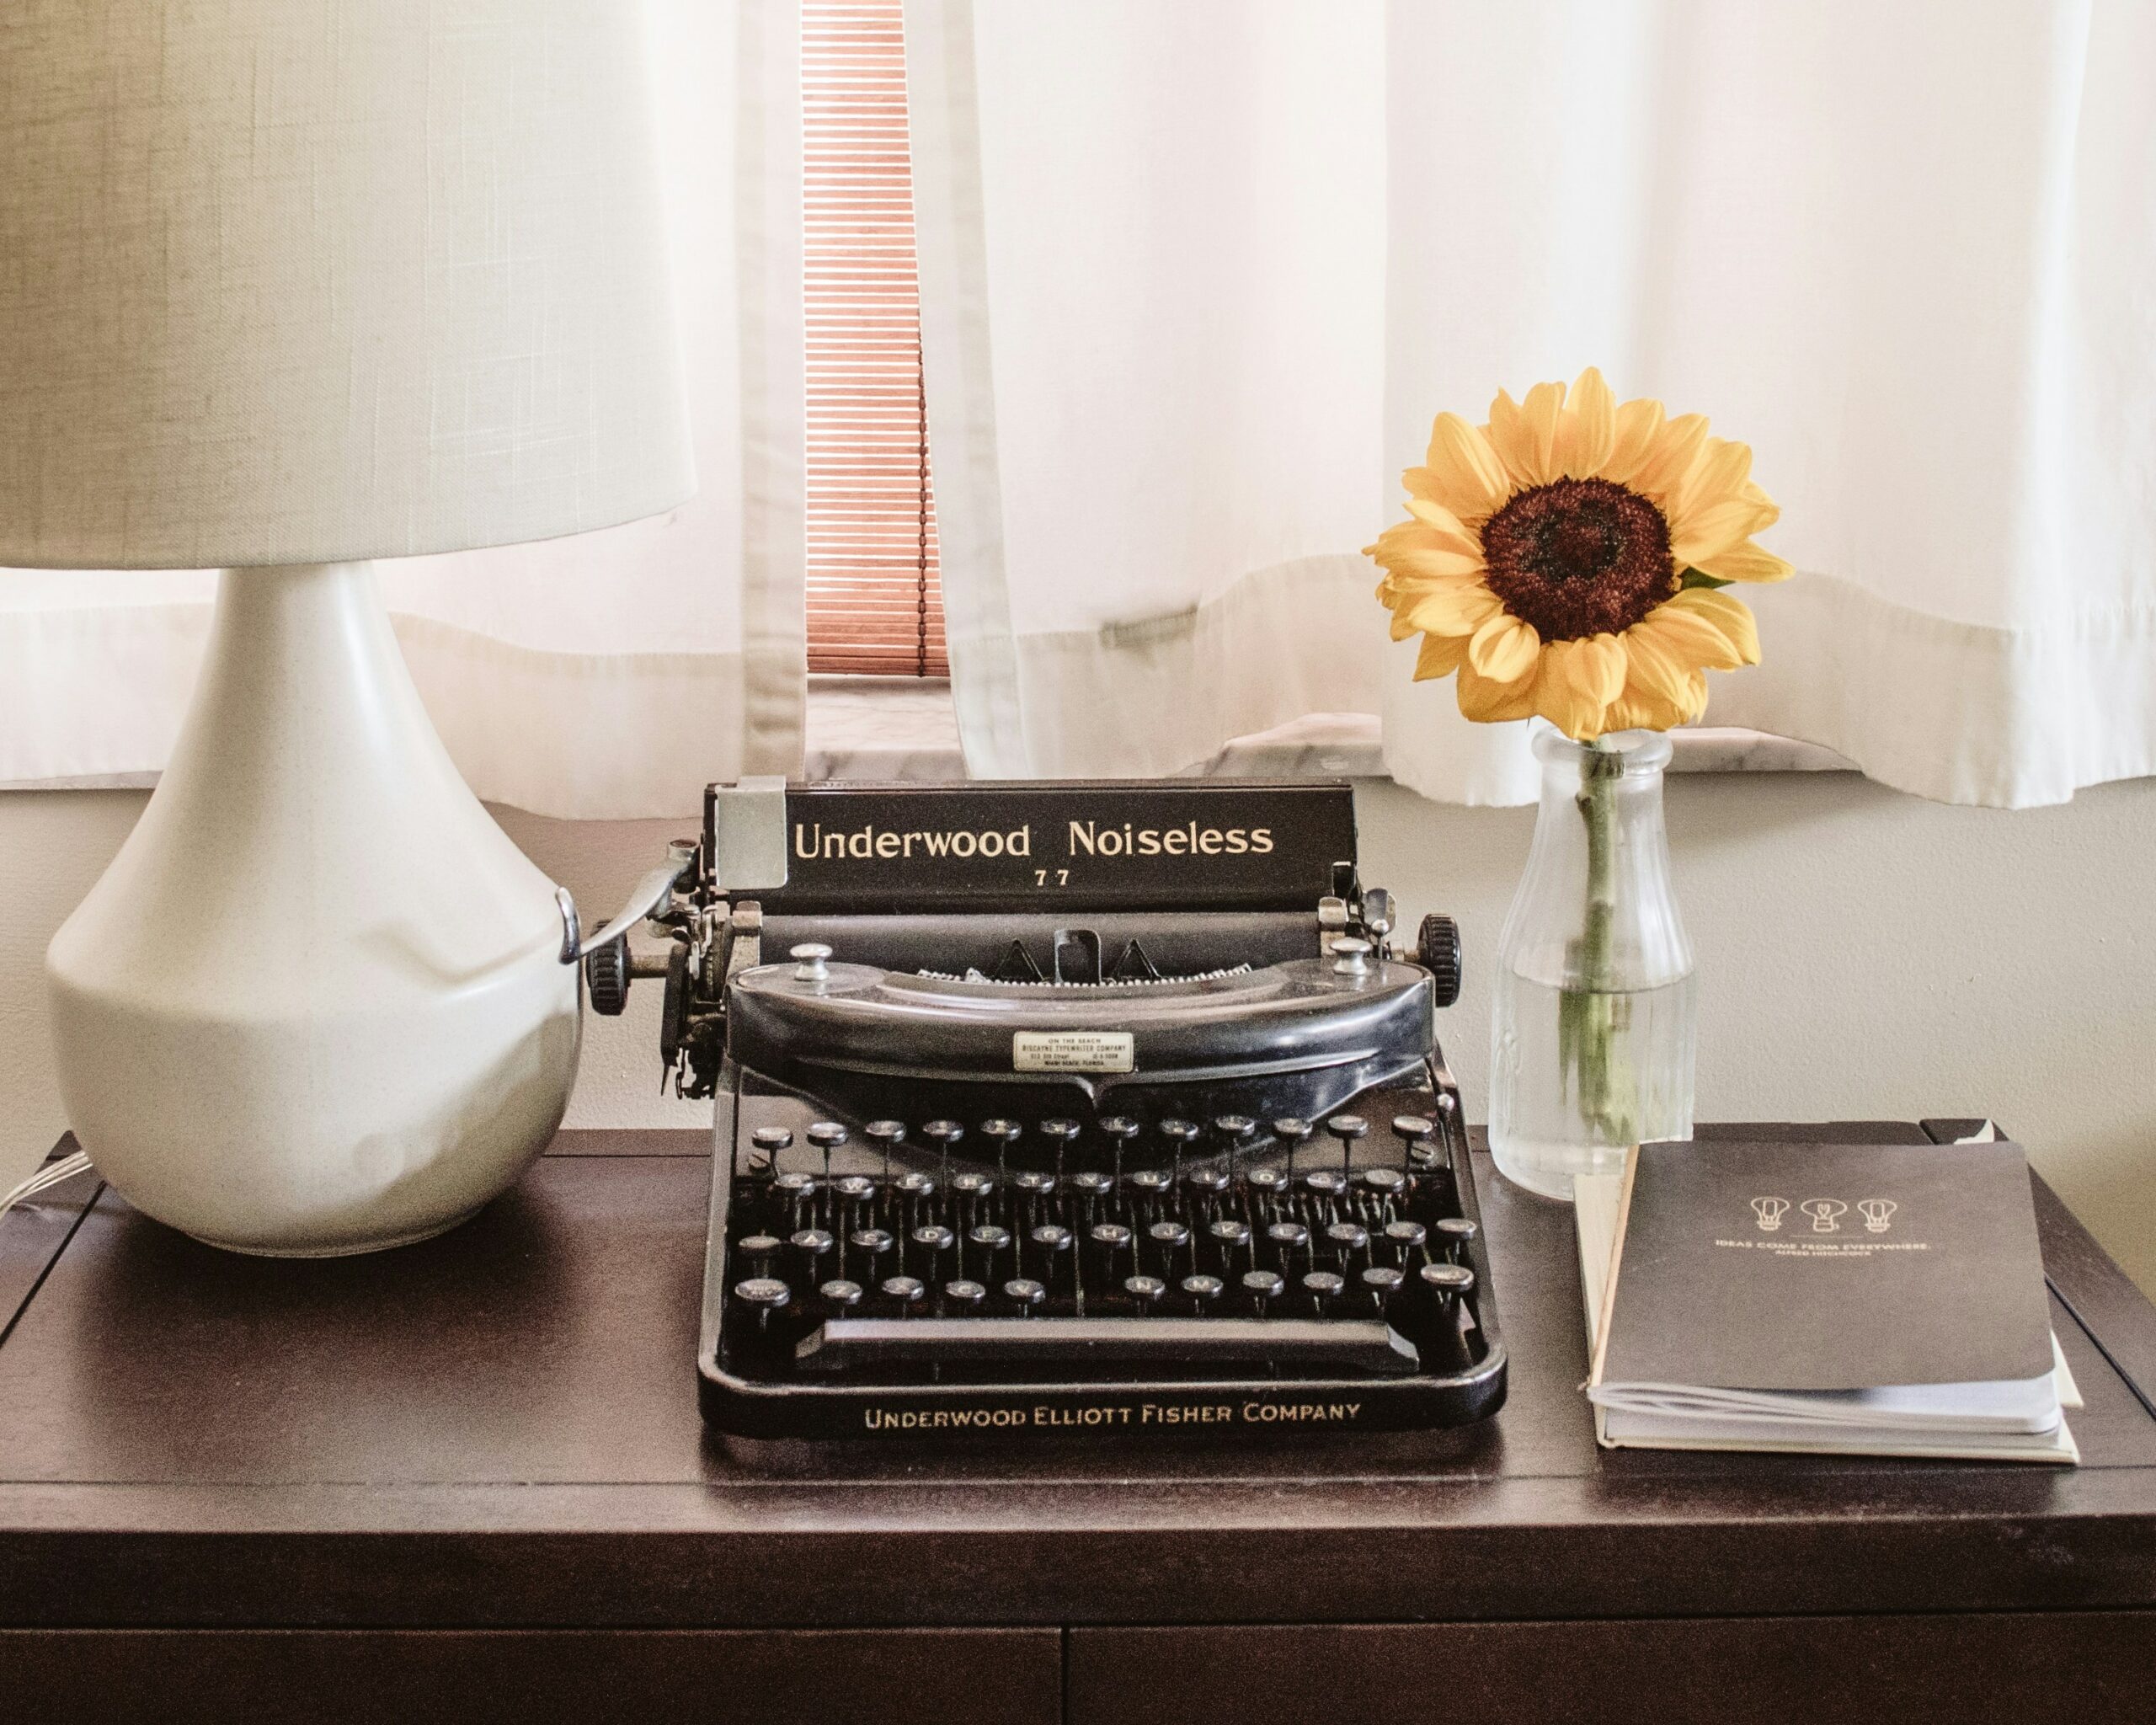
[{"x": 875, "y": 604}]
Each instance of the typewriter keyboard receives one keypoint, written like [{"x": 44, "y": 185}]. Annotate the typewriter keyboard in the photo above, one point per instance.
[{"x": 989, "y": 1251}]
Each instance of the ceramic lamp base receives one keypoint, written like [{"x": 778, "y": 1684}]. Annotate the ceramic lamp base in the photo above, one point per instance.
[{"x": 316, "y": 1005}]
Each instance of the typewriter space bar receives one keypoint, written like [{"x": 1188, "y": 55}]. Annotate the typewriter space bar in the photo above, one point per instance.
[{"x": 1166, "y": 1347}]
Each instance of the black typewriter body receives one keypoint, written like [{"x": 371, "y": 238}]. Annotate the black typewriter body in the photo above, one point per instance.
[{"x": 1097, "y": 1110}]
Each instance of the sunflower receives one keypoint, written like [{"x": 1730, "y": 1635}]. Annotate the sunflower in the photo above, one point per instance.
[{"x": 1568, "y": 559}]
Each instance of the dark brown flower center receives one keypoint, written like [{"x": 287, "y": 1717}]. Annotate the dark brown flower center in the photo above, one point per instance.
[{"x": 1579, "y": 557}]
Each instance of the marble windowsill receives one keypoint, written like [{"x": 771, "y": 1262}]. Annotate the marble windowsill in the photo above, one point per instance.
[
  {"x": 904, "y": 729},
  {"x": 898, "y": 728}
]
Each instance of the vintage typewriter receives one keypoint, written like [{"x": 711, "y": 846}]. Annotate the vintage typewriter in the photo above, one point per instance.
[{"x": 1100, "y": 1108}]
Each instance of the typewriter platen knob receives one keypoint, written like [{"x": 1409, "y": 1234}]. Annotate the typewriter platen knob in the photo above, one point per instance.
[{"x": 1437, "y": 949}]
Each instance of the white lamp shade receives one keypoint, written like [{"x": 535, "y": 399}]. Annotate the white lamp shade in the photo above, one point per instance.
[{"x": 309, "y": 280}]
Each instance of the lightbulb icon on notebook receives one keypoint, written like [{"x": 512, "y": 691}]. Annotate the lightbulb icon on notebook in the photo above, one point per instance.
[
  {"x": 1823, "y": 1212},
  {"x": 1875, "y": 1212},
  {"x": 1770, "y": 1212}
]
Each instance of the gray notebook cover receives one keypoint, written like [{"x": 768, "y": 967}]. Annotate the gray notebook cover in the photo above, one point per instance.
[{"x": 1828, "y": 1266}]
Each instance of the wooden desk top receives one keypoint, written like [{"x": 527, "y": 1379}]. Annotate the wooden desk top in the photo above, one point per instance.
[{"x": 499, "y": 1427}]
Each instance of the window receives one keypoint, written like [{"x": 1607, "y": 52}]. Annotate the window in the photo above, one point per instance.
[{"x": 875, "y": 605}]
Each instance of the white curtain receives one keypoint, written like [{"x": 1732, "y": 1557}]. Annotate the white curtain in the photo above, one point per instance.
[
  {"x": 1196, "y": 279},
  {"x": 606, "y": 675}
]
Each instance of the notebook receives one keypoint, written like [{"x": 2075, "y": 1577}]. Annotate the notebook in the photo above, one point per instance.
[{"x": 1836, "y": 1299}]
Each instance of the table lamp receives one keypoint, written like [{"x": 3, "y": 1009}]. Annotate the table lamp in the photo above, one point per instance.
[{"x": 286, "y": 285}]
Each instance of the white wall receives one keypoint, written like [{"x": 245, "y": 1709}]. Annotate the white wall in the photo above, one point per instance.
[{"x": 1862, "y": 954}]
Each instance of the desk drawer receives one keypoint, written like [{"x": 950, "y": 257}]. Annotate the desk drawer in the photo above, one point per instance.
[
  {"x": 2051, "y": 1669},
  {"x": 534, "y": 1677}
]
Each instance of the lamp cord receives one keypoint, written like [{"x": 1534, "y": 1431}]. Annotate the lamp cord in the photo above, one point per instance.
[{"x": 51, "y": 1174}]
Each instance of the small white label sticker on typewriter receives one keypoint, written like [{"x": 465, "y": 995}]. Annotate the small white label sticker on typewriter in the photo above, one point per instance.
[{"x": 1073, "y": 1051}]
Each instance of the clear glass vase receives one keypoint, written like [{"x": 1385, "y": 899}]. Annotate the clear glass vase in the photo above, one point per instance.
[{"x": 1597, "y": 1014}]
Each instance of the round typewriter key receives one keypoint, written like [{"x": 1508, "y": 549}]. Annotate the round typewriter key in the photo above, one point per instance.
[
  {"x": 1114, "y": 1240},
  {"x": 1261, "y": 1286},
  {"x": 1169, "y": 1238},
  {"x": 915, "y": 1191},
  {"x": 1229, "y": 1237},
  {"x": 759, "y": 1249},
  {"x": 1381, "y": 1282},
  {"x": 1294, "y": 1133},
  {"x": 1237, "y": 1130},
  {"x": 841, "y": 1296},
  {"x": 812, "y": 1243},
  {"x": 1026, "y": 1293},
  {"x": 870, "y": 1243},
  {"x": 1348, "y": 1128},
  {"x": 770, "y": 1141},
  {"x": 1325, "y": 1185},
  {"x": 763, "y": 1295},
  {"x": 1411, "y": 1130},
  {"x": 827, "y": 1136},
  {"x": 1288, "y": 1237},
  {"x": 886, "y": 1135},
  {"x": 1406, "y": 1239},
  {"x": 795, "y": 1189},
  {"x": 1203, "y": 1291},
  {"x": 1090, "y": 1185},
  {"x": 1348, "y": 1239},
  {"x": 943, "y": 1134},
  {"x": 963, "y": 1297},
  {"x": 1059, "y": 1133},
  {"x": 1385, "y": 1184},
  {"x": 1455, "y": 1234},
  {"x": 1266, "y": 1184},
  {"x": 986, "y": 1240},
  {"x": 1033, "y": 1183},
  {"x": 934, "y": 1239},
  {"x": 905, "y": 1290},
  {"x": 1181, "y": 1135},
  {"x": 1146, "y": 1290},
  {"x": 1323, "y": 1286},
  {"x": 1447, "y": 1280},
  {"x": 1206, "y": 1182},
  {"x": 1051, "y": 1239},
  {"x": 1118, "y": 1130},
  {"x": 1002, "y": 1134}
]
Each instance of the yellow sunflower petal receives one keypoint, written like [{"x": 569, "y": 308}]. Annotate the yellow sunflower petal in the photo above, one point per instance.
[
  {"x": 1431, "y": 564},
  {"x": 1698, "y": 538},
  {"x": 1658, "y": 669},
  {"x": 1718, "y": 475},
  {"x": 1726, "y": 612},
  {"x": 1638, "y": 423},
  {"x": 1561, "y": 696},
  {"x": 1452, "y": 608},
  {"x": 1587, "y": 430},
  {"x": 1749, "y": 562},
  {"x": 1698, "y": 643},
  {"x": 1466, "y": 475},
  {"x": 1440, "y": 656},
  {"x": 1636, "y": 710},
  {"x": 1524, "y": 434},
  {"x": 1488, "y": 701},
  {"x": 1448, "y": 527},
  {"x": 1669, "y": 458},
  {"x": 1599, "y": 665},
  {"x": 1503, "y": 647}
]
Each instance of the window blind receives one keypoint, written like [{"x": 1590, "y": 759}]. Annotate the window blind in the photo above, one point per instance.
[{"x": 874, "y": 602}]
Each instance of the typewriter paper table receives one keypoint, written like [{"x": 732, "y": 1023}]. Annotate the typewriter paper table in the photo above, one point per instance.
[{"x": 467, "y": 1480}]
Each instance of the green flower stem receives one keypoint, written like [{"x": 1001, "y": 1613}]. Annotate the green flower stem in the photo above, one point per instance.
[{"x": 1594, "y": 1016}]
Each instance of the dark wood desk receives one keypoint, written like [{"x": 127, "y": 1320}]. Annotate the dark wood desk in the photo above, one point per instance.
[{"x": 467, "y": 1480}]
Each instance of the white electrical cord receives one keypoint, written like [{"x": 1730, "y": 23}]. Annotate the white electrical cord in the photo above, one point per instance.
[{"x": 51, "y": 1174}]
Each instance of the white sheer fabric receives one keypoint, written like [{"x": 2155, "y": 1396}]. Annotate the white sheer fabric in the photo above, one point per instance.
[
  {"x": 1196, "y": 279},
  {"x": 608, "y": 675}
]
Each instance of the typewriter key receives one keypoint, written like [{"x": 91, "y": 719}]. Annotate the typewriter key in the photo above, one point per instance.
[
  {"x": 795, "y": 1189},
  {"x": 1114, "y": 1240},
  {"x": 1026, "y": 1293},
  {"x": 1446, "y": 1285},
  {"x": 812, "y": 1243},
  {"x": 1288, "y": 1237},
  {"x": 1146, "y": 1290},
  {"x": 1447, "y": 1281},
  {"x": 935, "y": 1240},
  {"x": 1118, "y": 1131},
  {"x": 906, "y": 1291},
  {"x": 1181, "y": 1135},
  {"x": 1455, "y": 1234},
  {"x": 1091, "y": 1185},
  {"x": 987, "y": 1240},
  {"x": 841, "y": 1296},
  {"x": 1203, "y": 1291},
  {"x": 1002, "y": 1134},
  {"x": 1237, "y": 1130},
  {"x": 1348, "y": 1128},
  {"x": 1350, "y": 1239},
  {"x": 1408, "y": 1241},
  {"x": 1265, "y": 1185},
  {"x": 963, "y": 1297},
  {"x": 770, "y": 1141},
  {"x": 1380, "y": 1281},
  {"x": 943, "y": 1134},
  {"x": 1323, "y": 1286},
  {"x": 1416, "y": 1132},
  {"x": 1149, "y": 1185},
  {"x": 1059, "y": 1133},
  {"x": 857, "y": 1193},
  {"x": 1294, "y": 1133},
  {"x": 1386, "y": 1185},
  {"x": 761, "y": 1250},
  {"x": 763, "y": 1295},
  {"x": 1034, "y": 1187},
  {"x": 1261, "y": 1286},
  {"x": 1229, "y": 1237},
  {"x": 915, "y": 1191},
  {"x": 1324, "y": 1185},
  {"x": 1050, "y": 1242},
  {"x": 827, "y": 1136},
  {"x": 886, "y": 1135},
  {"x": 870, "y": 1243},
  {"x": 1169, "y": 1238}
]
